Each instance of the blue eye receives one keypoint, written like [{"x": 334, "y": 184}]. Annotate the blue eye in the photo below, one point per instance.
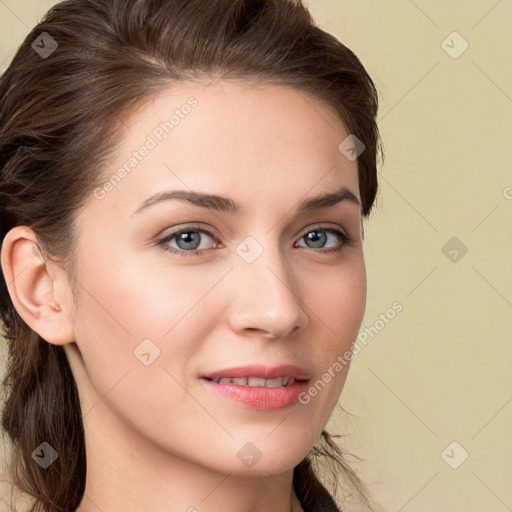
[
  {"x": 189, "y": 240},
  {"x": 318, "y": 236}
]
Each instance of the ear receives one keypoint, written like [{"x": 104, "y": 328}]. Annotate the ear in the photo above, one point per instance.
[{"x": 31, "y": 282}]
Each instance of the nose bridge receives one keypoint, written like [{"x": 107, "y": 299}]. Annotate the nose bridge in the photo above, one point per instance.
[{"x": 267, "y": 297}]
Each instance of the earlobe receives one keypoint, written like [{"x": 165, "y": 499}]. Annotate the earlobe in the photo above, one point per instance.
[{"x": 31, "y": 287}]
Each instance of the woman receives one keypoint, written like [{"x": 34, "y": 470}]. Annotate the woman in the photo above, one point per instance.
[{"x": 182, "y": 191}]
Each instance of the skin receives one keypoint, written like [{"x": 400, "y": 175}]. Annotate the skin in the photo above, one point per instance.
[{"x": 157, "y": 438}]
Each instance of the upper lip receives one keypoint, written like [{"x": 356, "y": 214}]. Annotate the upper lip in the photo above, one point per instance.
[{"x": 265, "y": 372}]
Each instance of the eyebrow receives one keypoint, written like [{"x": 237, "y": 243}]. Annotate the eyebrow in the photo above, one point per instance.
[{"x": 226, "y": 204}]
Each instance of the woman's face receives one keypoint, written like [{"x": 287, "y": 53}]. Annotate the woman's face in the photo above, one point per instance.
[{"x": 266, "y": 284}]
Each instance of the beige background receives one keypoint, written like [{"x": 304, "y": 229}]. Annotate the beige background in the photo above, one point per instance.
[{"x": 439, "y": 371}]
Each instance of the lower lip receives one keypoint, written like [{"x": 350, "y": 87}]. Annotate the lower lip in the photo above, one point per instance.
[{"x": 260, "y": 397}]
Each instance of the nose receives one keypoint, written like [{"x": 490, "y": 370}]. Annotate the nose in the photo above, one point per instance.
[{"x": 265, "y": 298}]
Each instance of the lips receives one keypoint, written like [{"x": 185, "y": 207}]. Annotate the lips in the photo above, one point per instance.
[
  {"x": 288, "y": 371},
  {"x": 255, "y": 392}
]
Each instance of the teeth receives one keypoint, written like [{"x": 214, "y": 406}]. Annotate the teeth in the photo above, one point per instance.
[
  {"x": 274, "y": 383},
  {"x": 257, "y": 381}
]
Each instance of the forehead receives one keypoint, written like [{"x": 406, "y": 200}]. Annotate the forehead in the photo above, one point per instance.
[{"x": 231, "y": 137}]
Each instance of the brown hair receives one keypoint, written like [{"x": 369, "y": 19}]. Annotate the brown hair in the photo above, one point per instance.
[{"x": 61, "y": 118}]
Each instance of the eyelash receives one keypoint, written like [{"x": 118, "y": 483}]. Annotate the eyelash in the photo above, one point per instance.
[{"x": 345, "y": 238}]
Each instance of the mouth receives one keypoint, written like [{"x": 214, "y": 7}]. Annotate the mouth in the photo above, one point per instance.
[
  {"x": 259, "y": 375},
  {"x": 255, "y": 382},
  {"x": 259, "y": 387}
]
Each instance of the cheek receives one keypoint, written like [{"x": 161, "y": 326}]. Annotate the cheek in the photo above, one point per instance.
[
  {"x": 338, "y": 303},
  {"x": 130, "y": 308},
  {"x": 337, "y": 309},
  {"x": 131, "y": 296},
  {"x": 137, "y": 331}
]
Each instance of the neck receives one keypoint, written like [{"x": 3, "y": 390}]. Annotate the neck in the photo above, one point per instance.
[{"x": 127, "y": 474}]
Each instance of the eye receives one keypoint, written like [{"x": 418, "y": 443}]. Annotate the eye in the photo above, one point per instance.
[
  {"x": 319, "y": 236},
  {"x": 189, "y": 241}
]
